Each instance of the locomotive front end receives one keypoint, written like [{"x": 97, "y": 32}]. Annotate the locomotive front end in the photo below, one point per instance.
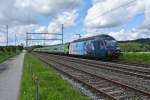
[{"x": 113, "y": 49}]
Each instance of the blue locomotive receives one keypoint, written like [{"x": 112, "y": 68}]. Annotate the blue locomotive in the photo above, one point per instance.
[{"x": 101, "y": 46}]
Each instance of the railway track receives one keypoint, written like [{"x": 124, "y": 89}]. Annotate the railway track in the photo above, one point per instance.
[
  {"x": 126, "y": 69},
  {"x": 110, "y": 89},
  {"x": 132, "y": 64}
]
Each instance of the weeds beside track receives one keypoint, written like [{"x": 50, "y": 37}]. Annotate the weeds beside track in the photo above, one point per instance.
[{"x": 113, "y": 90}]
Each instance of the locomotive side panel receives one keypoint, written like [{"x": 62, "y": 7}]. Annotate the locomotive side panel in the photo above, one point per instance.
[
  {"x": 99, "y": 50},
  {"x": 77, "y": 48}
]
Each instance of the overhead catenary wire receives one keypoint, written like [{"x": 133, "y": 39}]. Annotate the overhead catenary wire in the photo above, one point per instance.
[{"x": 113, "y": 9}]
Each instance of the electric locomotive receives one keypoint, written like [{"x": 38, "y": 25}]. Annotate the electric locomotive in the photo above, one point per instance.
[{"x": 100, "y": 46}]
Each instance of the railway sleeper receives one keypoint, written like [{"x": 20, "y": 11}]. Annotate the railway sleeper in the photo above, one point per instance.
[
  {"x": 77, "y": 74},
  {"x": 125, "y": 95},
  {"x": 131, "y": 97},
  {"x": 95, "y": 82},
  {"x": 120, "y": 70},
  {"x": 86, "y": 77},
  {"x": 108, "y": 66},
  {"x": 115, "y": 92},
  {"x": 122, "y": 93},
  {"x": 95, "y": 79},
  {"x": 88, "y": 80},
  {"x": 107, "y": 88},
  {"x": 104, "y": 84}
]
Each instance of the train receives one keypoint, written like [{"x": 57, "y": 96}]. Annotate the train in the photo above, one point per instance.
[{"x": 100, "y": 46}]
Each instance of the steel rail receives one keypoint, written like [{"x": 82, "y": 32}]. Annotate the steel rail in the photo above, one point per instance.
[
  {"x": 139, "y": 73},
  {"x": 79, "y": 80},
  {"x": 110, "y": 80}
]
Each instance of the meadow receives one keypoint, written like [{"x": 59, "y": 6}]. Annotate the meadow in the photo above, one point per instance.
[
  {"x": 7, "y": 52},
  {"x": 135, "y": 57},
  {"x": 51, "y": 85}
]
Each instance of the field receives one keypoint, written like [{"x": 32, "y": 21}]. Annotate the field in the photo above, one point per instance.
[
  {"x": 139, "y": 45},
  {"x": 51, "y": 86},
  {"x": 6, "y": 56},
  {"x": 135, "y": 51},
  {"x": 7, "y": 52},
  {"x": 135, "y": 57}
]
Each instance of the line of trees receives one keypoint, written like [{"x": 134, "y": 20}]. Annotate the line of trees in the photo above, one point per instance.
[
  {"x": 10, "y": 49},
  {"x": 140, "y": 45}
]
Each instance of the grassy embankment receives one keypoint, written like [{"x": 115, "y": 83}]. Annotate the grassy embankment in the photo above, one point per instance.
[
  {"x": 7, "y": 54},
  {"x": 51, "y": 86},
  {"x": 135, "y": 57},
  {"x": 135, "y": 51}
]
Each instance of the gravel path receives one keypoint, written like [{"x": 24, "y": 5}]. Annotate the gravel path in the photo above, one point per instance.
[{"x": 10, "y": 76}]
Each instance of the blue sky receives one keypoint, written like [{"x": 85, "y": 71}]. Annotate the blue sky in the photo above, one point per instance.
[
  {"x": 73, "y": 30},
  {"x": 78, "y": 28},
  {"x": 78, "y": 16}
]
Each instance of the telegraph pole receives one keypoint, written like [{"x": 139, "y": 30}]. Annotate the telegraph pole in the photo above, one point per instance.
[
  {"x": 15, "y": 44},
  {"x": 7, "y": 35},
  {"x": 15, "y": 40},
  {"x": 26, "y": 39},
  {"x": 44, "y": 39},
  {"x": 62, "y": 33}
]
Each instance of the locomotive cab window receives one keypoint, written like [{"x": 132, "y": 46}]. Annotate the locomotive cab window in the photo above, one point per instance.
[
  {"x": 101, "y": 44},
  {"x": 111, "y": 42}
]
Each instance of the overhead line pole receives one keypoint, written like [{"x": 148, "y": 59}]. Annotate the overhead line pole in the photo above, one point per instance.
[
  {"x": 7, "y": 35},
  {"x": 15, "y": 40},
  {"x": 62, "y": 33},
  {"x": 26, "y": 39},
  {"x": 44, "y": 39}
]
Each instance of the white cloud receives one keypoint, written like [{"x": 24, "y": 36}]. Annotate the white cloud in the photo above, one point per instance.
[
  {"x": 12, "y": 15},
  {"x": 106, "y": 14},
  {"x": 23, "y": 12},
  {"x": 146, "y": 22},
  {"x": 66, "y": 18},
  {"x": 2, "y": 39},
  {"x": 22, "y": 30},
  {"x": 48, "y": 7},
  {"x": 21, "y": 15},
  {"x": 132, "y": 35}
]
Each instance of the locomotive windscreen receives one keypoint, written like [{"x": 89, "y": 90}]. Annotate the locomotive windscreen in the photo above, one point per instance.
[{"x": 111, "y": 42}]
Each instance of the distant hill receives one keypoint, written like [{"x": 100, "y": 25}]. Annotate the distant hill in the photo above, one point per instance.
[
  {"x": 139, "y": 45},
  {"x": 146, "y": 40}
]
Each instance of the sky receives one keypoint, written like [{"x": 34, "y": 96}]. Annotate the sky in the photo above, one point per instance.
[{"x": 121, "y": 19}]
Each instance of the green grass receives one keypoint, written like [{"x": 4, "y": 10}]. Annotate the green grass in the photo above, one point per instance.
[
  {"x": 5, "y": 56},
  {"x": 51, "y": 85},
  {"x": 135, "y": 57}
]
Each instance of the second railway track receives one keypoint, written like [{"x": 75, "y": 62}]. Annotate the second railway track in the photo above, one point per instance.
[
  {"x": 126, "y": 69},
  {"x": 111, "y": 90}
]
